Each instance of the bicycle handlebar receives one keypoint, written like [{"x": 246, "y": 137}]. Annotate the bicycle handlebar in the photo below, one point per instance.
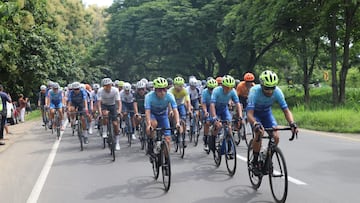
[{"x": 294, "y": 134}]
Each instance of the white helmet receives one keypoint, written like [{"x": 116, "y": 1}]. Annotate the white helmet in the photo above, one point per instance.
[
  {"x": 96, "y": 86},
  {"x": 82, "y": 86},
  {"x": 150, "y": 84},
  {"x": 127, "y": 86},
  {"x": 144, "y": 80},
  {"x": 140, "y": 85},
  {"x": 42, "y": 87},
  {"x": 193, "y": 82},
  {"x": 76, "y": 85},
  {"x": 107, "y": 81}
]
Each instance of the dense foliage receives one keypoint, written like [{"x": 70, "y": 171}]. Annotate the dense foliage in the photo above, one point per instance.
[{"x": 64, "y": 41}]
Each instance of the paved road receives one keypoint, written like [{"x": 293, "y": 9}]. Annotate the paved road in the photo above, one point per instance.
[{"x": 323, "y": 168}]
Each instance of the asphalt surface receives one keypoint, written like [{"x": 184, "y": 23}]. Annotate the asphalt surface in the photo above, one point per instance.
[{"x": 36, "y": 167}]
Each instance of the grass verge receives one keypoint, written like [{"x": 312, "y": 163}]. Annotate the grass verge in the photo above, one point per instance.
[{"x": 36, "y": 114}]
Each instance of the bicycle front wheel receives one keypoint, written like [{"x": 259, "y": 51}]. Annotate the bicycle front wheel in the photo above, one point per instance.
[
  {"x": 248, "y": 133},
  {"x": 165, "y": 166},
  {"x": 80, "y": 135},
  {"x": 278, "y": 176},
  {"x": 217, "y": 154},
  {"x": 230, "y": 155},
  {"x": 254, "y": 179},
  {"x": 182, "y": 145}
]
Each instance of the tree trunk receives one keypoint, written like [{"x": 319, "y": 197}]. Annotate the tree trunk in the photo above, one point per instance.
[
  {"x": 349, "y": 22},
  {"x": 223, "y": 66},
  {"x": 333, "y": 55},
  {"x": 305, "y": 67}
]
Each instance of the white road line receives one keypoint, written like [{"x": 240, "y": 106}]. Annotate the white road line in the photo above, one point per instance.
[
  {"x": 35, "y": 193},
  {"x": 291, "y": 179}
]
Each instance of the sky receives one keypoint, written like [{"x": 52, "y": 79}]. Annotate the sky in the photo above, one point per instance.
[{"x": 98, "y": 2}]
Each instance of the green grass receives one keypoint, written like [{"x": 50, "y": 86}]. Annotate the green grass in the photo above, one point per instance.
[
  {"x": 332, "y": 120},
  {"x": 33, "y": 115}
]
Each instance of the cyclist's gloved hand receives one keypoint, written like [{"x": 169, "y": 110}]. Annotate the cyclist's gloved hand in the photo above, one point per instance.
[
  {"x": 293, "y": 126},
  {"x": 257, "y": 127}
]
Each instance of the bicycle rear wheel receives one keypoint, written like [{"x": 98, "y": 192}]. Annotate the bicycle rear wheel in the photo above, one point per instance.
[
  {"x": 80, "y": 135},
  {"x": 155, "y": 165},
  {"x": 254, "y": 179},
  {"x": 248, "y": 133},
  {"x": 278, "y": 175},
  {"x": 197, "y": 134},
  {"x": 142, "y": 135},
  {"x": 182, "y": 145},
  {"x": 230, "y": 155},
  {"x": 165, "y": 166},
  {"x": 176, "y": 141}
]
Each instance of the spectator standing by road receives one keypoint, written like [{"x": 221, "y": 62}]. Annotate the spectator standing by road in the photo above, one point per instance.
[
  {"x": 22, "y": 105},
  {"x": 3, "y": 99}
]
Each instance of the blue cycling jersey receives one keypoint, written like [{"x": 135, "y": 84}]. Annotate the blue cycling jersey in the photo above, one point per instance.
[
  {"x": 158, "y": 106},
  {"x": 78, "y": 98},
  {"x": 206, "y": 97},
  {"x": 221, "y": 100},
  {"x": 257, "y": 101},
  {"x": 55, "y": 98}
]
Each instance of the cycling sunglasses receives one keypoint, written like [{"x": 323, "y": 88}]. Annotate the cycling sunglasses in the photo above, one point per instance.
[
  {"x": 161, "y": 89},
  {"x": 268, "y": 88}
]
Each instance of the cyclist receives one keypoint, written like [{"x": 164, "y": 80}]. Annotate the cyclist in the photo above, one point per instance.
[
  {"x": 77, "y": 101},
  {"x": 95, "y": 106},
  {"x": 109, "y": 103},
  {"x": 156, "y": 110},
  {"x": 182, "y": 99},
  {"x": 90, "y": 103},
  {"x": 170, "y": 83},
  {"x": 219, "y": 80},
  {"x": 261, "y": 98},
  {"x": 206, "y": 98},
  {"x": 219, "y": 106},
  {"x": 139, "y": 100},
  {"x": 150, "y": 86},
  {"x": 41, "y": 103},
  {"x": 120, "y": 85},
  {"x": 195, "y": 98},
  {"x": 127, "y": 99},
  {"x": 243, "y": 88},
  {"x": 55, "y": 101}
]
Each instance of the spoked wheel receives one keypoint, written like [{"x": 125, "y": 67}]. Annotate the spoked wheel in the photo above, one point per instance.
[
  {"x": 217, "y": 154},
  {"x": 165, "y": 166},
  {"x": 197, "y": 134},
  {"x": 129, "y": 138},
  {"x": 111, "y": 143},
  {"x": 230, "y": 155},
  {"x": 191, "y": 133},
  {"x": 155, "y": 165},
  {"x": 176, "y": 141},
  {"x": 80, "y": 136},
  {"x": 254, "y": 179},
  {"x": 182, "y": 145},
  {"x": 143, "y": 136},
  {"x": 278, "y": 175},
  {"x": 248, "y": 133}
]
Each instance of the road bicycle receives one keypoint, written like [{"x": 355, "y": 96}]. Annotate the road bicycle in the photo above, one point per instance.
[
  {"x": 271, "y": 162},
  {"x": 195, "y": 126},
  {"x": 56, "y": 123},
  {"x": 244, "y": 133},
  {"x": 128, "y": 126},
  {"x": 179, "y": 139},
  {"x": 110, "y": 139},
  {"x": 142, "y": 132},
  {"x": 78, "y": 128},
  {"x": 160, "y": 156},
  {"x": 225, "y": 145}
]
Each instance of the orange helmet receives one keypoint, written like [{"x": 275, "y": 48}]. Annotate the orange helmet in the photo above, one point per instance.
[
  {"x": 219, "y": 80},
  {"x": 249, "y": 77},
  {"x": 87, "y": 87}
]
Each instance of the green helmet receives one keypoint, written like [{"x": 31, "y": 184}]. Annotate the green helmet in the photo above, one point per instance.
[
  {"x": 121, "y": 83},
  {"x": 179, "y": 81},
  {"x": 228, "y": 81},
  {"x": 211, "y": 83},
  {"x": 268, "y": 78},
  {"x": 160, "y": 83}
]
